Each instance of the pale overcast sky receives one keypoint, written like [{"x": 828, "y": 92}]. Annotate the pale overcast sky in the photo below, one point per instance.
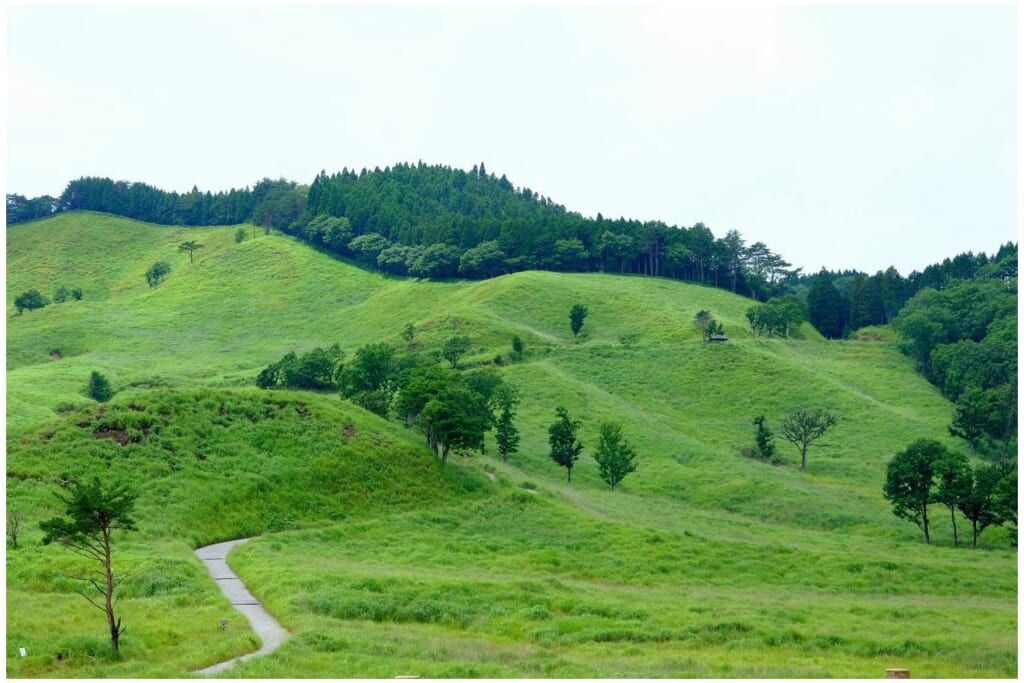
[{"x": 845, "y": 136}]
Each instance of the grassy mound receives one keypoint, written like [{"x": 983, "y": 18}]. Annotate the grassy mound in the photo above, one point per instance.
[{"x": 208, "y": 465}]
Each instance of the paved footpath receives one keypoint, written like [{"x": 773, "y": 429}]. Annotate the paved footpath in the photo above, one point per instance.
[{"x": 266, "y": 627}]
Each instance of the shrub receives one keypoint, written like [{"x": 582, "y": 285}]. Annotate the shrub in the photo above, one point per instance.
[
  {"x": 157, "y": 272},
  {"x": 30, "y": 300},
  {"x": 98, "y": 388}
]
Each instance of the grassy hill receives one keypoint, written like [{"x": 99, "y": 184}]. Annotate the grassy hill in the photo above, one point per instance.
[{"x": 704, "y": 563}]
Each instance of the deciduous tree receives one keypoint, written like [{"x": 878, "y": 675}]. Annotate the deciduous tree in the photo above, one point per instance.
[
  {"x": 191, "y": 246},
  {"x": 956, "y": 483},
  {"x": 909, "y": 480},
  {"x": 157, "y": 272},
  {"x": 28, "y": 301},
  {"x": 804, "y": 427},
  {"x": 565, "y": 448},
  {"x": 615, "y": 457}
]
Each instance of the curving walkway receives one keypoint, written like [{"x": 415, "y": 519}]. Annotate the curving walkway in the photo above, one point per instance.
[{"x": 266, "y": 627}]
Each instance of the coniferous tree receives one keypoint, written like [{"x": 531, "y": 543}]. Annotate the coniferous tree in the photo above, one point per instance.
[
  {"x": 93, "y": 512},
  {"x": 98, "y": 388},
  {"x": 506, "y": 433},
  {"x": 824, "y": 307},
  {"x": 577, "y": 315}
]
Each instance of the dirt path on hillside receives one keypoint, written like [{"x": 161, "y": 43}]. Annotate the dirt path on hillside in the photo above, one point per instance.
[{"x": 266, "y": 626}]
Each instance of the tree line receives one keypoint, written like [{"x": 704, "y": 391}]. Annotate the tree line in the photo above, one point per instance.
[
  {"x": 839, "y": 303},
  {"x": 440, "y": 222}
]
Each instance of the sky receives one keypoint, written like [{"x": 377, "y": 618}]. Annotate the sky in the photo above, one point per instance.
[{"x": 844, "y": 136}]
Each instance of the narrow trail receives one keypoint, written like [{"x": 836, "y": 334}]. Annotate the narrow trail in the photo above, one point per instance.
[{"x": 266, "y": 627}]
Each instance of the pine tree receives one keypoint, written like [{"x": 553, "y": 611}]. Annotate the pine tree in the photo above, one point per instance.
[{"x": 506, "y": 433}]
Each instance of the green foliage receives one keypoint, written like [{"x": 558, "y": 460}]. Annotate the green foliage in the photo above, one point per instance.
[
  {"x": 455, "y": 416},
  {"x": 454, "y": 349},
  {"x": 368, "y": 247},
  {"x": 157, "y": 272},
  {"x": 909, "y": 479},
  {"x": 565, "y": 447},
  {"x": 93, "y": 511},
  {"x": 409, "y": 333},
  {"x": 506, "y": 433},
  {"x": 979, "y": 499},
  {"x": 438, "y": 261},
  {"x": 518, "y": 348},
  {"x": 61, "y": 295},
  {"x": 328, "y": 231},
  {"x": 956, "y": 484},
  {"x": 1004, "y": 497},
  {"x": 317, "y": 370},
  {"x": 191, "y": 246},
  {"x": 29, "y": 301},
  {"x": 764, "y": 440},
  {"x": 239, "y": 235},
  {"x": 98, "y": 387},
  {"x": 778, "y": 316},
  {"x": 373, "y": 374},
  {"x": 804, "y": 427},
  {"x": 824, "y": 307},
  {"x": 615, "y": 457},
  {"x": 577, "y": 314},
  {"x": 483, "y": 261}
]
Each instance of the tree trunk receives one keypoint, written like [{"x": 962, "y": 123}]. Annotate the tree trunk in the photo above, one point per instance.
[
  {"x": 924, "y": 525},
  {"x": 569, "y": 471},
  {"x": 803, "y": 456},
  {"x": 444, "y": 454},
  {"x": 952, "y": 515},
  {"x": 108, "y": 605},
  {"x": 974, "y": 526}
]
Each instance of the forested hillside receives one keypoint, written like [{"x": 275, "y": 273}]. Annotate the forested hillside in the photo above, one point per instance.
[{"x": 440, "y": 222}]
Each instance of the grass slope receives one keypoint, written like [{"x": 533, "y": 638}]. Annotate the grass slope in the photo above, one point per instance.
[{"x": 704, "y": 563}]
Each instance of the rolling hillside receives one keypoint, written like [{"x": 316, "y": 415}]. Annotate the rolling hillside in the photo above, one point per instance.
[{"x": 704, "y": 563}]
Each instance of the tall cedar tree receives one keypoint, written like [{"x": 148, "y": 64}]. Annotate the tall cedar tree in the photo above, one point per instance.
[
  {"x": 506, "y": 434},
  {"x": 909, "y": 479},
  {"x": 565, "y": 449},
  {"x": 93, "y": 512},
  {"x": 824, "y": 306},
  {"x": 615, "y": 457}
]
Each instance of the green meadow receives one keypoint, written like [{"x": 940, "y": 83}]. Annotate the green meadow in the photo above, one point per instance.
[{"x": 381, "y": 562}]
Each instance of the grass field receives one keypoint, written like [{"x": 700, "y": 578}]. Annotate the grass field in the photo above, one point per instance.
[{"x": 380, "y": 562}]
